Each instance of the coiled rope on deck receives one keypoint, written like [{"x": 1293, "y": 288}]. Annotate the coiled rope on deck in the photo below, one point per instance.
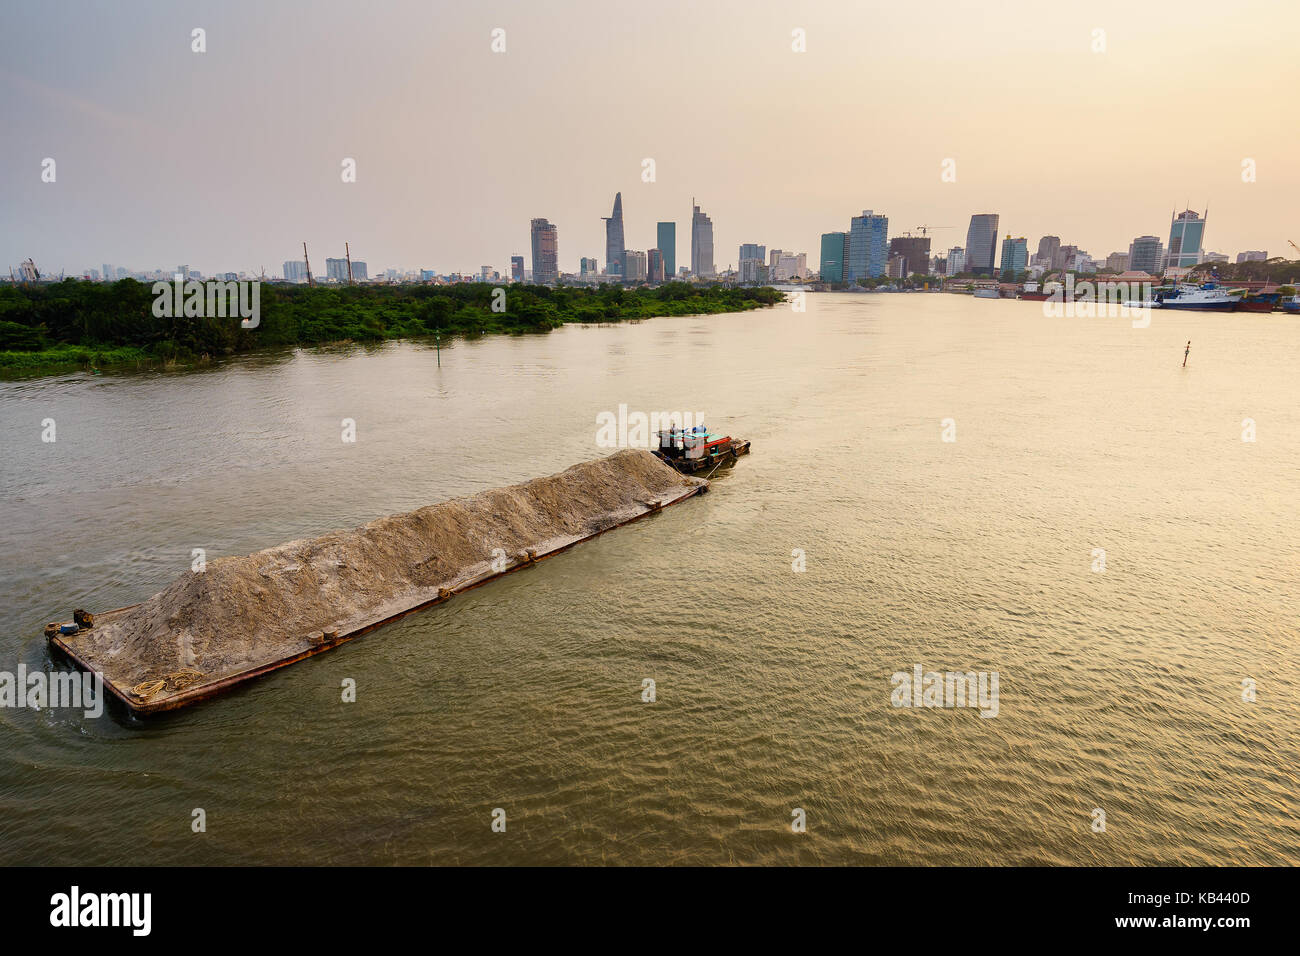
[{"x": 178, "y": 680}]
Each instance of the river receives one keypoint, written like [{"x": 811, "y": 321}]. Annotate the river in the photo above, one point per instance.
[{"x": 1096, "y": 532}]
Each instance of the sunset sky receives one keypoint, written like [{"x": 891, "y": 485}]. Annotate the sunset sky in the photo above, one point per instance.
[{"x": 229, "y": 159}]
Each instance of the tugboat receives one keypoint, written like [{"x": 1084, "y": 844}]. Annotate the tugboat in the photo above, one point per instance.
[{"x": 692, "y": 450}]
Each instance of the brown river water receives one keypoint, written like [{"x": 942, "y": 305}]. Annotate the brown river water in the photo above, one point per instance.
[{"x": 1123, "y": 686}]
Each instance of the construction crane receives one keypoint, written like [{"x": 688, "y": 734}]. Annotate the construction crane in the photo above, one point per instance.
[
  {"x": 1294, "y": 246},
  {"x": 307, "y": 263},
  {"x": 347, "y": 251},
  {"x": 925, "y": 227}
]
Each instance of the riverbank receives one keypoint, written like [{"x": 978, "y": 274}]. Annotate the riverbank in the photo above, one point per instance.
[{"x": 70, "y": 325}]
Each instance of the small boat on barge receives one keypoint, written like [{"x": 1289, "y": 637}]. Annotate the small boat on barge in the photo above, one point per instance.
[{"x": 692, "y": 450}]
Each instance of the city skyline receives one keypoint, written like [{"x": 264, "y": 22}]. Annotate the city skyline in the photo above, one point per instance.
[
  {"x": 1144, "y": 253},
  {"x": 164, "y": 154}
]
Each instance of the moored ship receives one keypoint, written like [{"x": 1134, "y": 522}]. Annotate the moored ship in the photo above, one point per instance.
[
  {"x": 1032, "y": 293},
  {"x": 1206, "y": 298},
  {"x": 1259, "y": 302}
]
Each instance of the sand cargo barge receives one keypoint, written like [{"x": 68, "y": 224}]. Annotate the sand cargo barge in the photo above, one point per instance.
[{"x": 242, "y": 617}]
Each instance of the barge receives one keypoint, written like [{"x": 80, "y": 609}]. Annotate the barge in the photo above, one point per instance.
[{"x": 241, "y": 617}]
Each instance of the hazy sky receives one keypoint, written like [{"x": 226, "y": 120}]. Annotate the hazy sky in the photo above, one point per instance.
[{"x": 229, "y": 159}]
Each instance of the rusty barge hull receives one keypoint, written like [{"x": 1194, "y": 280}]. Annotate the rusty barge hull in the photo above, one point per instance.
[{"x": 66, "y": 645}]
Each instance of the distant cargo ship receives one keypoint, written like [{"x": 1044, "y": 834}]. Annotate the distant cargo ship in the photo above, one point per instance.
[{"x": 1259, "y": 302}]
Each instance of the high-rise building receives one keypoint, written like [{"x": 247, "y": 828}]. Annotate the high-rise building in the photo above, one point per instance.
[
  {"x": 546, "y": 253},
  {"x": 634, "y": 266},
  {"x": 1069, "y": 258},
  {"x": 1117, "y": 262},
  {"x": 336, "y": 269},
  {"x": 614, "y": 238},
  {"x": 516, "y": 268},
  {"x": 753, "y": 270},
  {"x": 1216, "y": 257},
  {"x": 981, "y": 243},
  {"x": 1254, "y": 255},
  {"x": 1015, "y": 255},
  {"x": 701, "y": 242},
  {"x": 789, "y": 265},
  {"x": 1146, "y": 254},
  {"x": 1048, "y": 247},
  {"x": 655, "y": 265},
  {"x": 1186, "y": 240},
  {"x": 666, "y": 240},
  {"x": 295, "y": 270},
  {"x": 751, "y": 250},
  {"x": 588, "y": 266},
  {"x": 832, "y": 257},
  {"x": 915, "y": 251},
  {"x": 956, "y": 260},
  {"x": 868, "y": 246},
  {"x": 359, "y": 270}
]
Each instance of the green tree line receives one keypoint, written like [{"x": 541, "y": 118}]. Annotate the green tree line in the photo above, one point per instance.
[{"x": 75, "y": 322}]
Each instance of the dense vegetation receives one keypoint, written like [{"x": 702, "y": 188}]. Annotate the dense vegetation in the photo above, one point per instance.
[
  {"x": 1274, "y": 270},
  {"x": 76, "y": 323}
]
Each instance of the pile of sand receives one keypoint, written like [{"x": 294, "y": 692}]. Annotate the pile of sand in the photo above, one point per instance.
[{"x": 245, "y": 612}]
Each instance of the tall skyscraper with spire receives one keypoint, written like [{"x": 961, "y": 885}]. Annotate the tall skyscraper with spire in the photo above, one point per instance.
[
  {"x": 614, "y": 238},
  {"x": 701, "y": 242}
]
